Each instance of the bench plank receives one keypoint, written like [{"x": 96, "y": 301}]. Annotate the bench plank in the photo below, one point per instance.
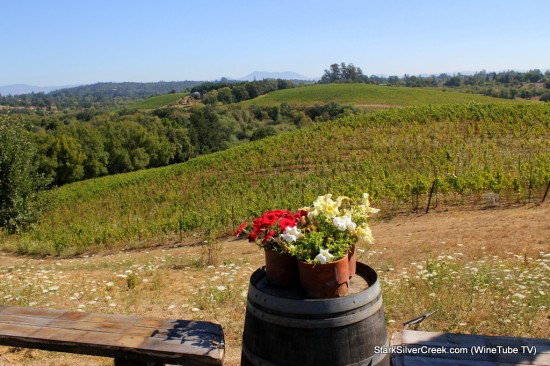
[
  {"x": 119, "y": 336},
  {"x": 530, "y": 351}
]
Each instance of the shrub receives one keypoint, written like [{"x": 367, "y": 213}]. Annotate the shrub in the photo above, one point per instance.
[{"x": 19, "y": 179}]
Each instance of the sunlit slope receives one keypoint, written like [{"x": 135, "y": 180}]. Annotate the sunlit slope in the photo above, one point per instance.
[
  {"x": 158, "y": 101},
  {"x": 393, "y": 154},
  {"x": 366, "y": 96}
]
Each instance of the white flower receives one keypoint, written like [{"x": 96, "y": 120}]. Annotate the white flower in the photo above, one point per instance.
[
  {"x": 365, "y": 200},
  {"x": 291, "y": 234},
  {"x": 340, "y": 223},
  {"x": 364, "y": 232},
  {"x": 326, "y": 206},
  {"x": 312, "y": 213},
  {"x": 365, "y": 208},
  {"x": 324, "y": 256},
  {"x": 350, "y": 224},
  {"x": 344, "y": 223}
]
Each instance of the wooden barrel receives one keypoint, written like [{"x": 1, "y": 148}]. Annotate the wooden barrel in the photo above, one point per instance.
[{"x": 283, "y": 328}]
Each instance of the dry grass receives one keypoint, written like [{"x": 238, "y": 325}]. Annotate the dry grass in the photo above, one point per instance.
[{"x": 487, "y": 272}]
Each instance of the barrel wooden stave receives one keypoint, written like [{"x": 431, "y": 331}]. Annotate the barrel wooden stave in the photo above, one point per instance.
[{"x": 342, "y": 331}]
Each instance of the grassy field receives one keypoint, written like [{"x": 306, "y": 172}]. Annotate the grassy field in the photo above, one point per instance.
[
  {"x": 158, "y": 101},
  {"x": 486, "y": 271},
  {"x": 367, "y": 97}
]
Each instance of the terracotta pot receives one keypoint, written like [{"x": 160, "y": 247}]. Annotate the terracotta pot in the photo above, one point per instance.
[
  {"x": 352, "y": 260},
  {"x": 322, "y": 281},
  {"x": 281, "y": 269}
]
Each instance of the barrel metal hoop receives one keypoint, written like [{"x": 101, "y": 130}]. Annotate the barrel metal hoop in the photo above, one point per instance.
[
  {"x": 315, "y": 323},
  {"x": 258, "y": 361},
  {"x": 255, "y": 359},
  {"x": 321, "y": 306}
]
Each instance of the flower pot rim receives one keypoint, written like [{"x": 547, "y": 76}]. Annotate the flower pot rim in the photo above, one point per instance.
[{"x": 323, "y": 264}]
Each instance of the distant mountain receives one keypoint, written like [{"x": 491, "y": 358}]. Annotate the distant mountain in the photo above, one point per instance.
[
  {"x": 17, "y": 89},
  {"x": 286, "y": 75}
]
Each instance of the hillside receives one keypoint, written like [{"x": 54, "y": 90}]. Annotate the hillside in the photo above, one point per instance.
[
  {"x": 160, "y": 101},
  {"x": 480, "y": 256},
  {"x": 396, "y": 155},
  {"x": 98, "y": 95},
  {"x": 366, "y": 96}
]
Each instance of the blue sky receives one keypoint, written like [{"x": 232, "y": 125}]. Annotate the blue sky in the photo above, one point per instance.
[{"x": 66, "y": 42}]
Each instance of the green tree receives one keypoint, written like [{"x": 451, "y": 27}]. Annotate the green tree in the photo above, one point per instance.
[
  {"x": 332, "y": 75},
  {"x": 225, "y": 96},
  {"x": 343, "y": 74},
  {"x": 96, "y": 158},
  {"x": 240, "y": 93},
  {"x": 69, "y": 160},
  {"x": 263, "y": 132},
  {"x": 47, "y": 159},
  {"x": 454, "y": 81},
  {"x": 20, "y": 181},
  {"x": 211, "y": 98},
  {"x": 179, "y": 139},
  {"x": 206, "y": 132}
]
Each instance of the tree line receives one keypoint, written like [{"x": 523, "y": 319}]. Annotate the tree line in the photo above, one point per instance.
[
  {"x": 102, "y": 95},
  {"x": 88, "y": 144},
  {"x": 505, "y": 84},
  {"x": 96, "y": 95},
  {"x": 227, "y": 92}
]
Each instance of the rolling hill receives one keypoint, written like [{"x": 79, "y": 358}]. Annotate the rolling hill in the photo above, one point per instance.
[
  {"x": 366, "y": 96},
  {"x": 395, "y": 155},
  {"x": 363, "y": 96},
  {"x": 158, "y": 101}
]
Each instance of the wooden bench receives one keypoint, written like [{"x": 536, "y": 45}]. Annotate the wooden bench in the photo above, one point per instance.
[
  {"x": 414, "y": 348},
  {"x": 130, "y": 340}
]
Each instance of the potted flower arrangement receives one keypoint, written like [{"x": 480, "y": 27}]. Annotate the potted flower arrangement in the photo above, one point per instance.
[
  {"x": 326, "y": 247},
  {"x": 275, "y": 232},
  {"x": 321, "y": 237}
]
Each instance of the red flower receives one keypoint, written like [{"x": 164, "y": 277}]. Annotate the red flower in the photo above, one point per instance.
[
  {"x": 267, "y": 226},
  {"x": 240, "y": 229},
  {"x": 268, "y": 236},
  {"x": 301, "y": 213},
  {"x": 254, "y": 235},
  {"x": 287, "y": 221}
]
